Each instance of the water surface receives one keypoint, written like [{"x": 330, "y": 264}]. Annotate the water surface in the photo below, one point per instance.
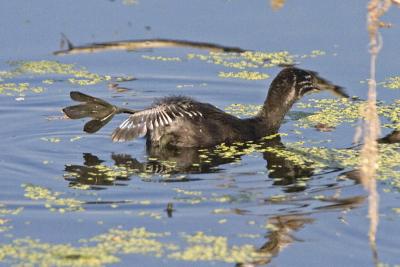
[{"x": 62, "y": 190}]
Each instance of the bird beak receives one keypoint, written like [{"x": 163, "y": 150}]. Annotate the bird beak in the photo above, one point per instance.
[{"x": 325, "y": 85}]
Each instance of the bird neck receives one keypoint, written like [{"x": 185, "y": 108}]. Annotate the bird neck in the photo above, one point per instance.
[{"x": 281, "y": 97}]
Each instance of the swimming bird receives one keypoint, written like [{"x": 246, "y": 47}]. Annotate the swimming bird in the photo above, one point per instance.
[{"x": 179, "y": 121}]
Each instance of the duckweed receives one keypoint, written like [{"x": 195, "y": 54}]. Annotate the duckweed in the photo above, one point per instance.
[
  {"x": 328, "y": 113},
  {"x": 12, "y": 89},
  {"x": 154, "y": 215},
  {"x": 5, "y": 211},
  {"x": 392, "y": 82},
  {"x": 53, "y": 200},
  {"x": 245, "y": 60},
  {"x": 29, "y": 252},
  {"x": 202, "y": 247},
  {"x": 160, "y": 58},
  {"x": 51, "y": 139},
  {"x": 80, "y": 76},
  {"x": 187, "y": 192},
  {"x": 333, "y": 112},
  {"x": 101, "y": 172},
  {"x": 3, "y": 226},
  {"x": 246, "y": 75},
  {"x": 105, "y": 248},
  {"x": 4, "y": 222},
  {"x": 242, "y": 110},
  {"x": 318, "y": 158}
]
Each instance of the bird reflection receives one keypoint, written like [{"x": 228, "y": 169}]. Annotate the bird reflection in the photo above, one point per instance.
[
  {"x": 172, "y": 164},
  {"x": 283, "y": 227}
]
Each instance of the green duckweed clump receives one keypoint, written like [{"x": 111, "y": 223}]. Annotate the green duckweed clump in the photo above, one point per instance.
[
  {"x": 105, "y": 249},
  {"x": 53, "y": 200},
  {"x": 245, "y": 75},
  {"x": 75, "y": 75},
  {"x": 20, "y": 89},
  {"x": 392, "y": 82},
  {"x": 80, "y": 76},
  {"x": 4, "y": 220},
  {"x": 246, "y": 60},
  {"x": 328, "y": 112},
  {"x": 202, "y": 247}
]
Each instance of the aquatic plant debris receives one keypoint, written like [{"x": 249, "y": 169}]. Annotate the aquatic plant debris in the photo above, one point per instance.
[{"x": 53, "y": 200}]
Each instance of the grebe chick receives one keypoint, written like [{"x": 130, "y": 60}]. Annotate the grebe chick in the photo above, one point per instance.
[{"x": 184, "y": 122}]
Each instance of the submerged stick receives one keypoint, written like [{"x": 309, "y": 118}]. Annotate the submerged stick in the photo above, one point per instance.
[{"x": 132, "y": 45}]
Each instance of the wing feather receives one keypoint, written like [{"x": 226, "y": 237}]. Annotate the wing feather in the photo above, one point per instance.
[{"x": 161, "y": 114}]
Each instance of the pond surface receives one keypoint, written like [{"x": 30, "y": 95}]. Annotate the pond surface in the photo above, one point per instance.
[{"x": 73, "y": 199}]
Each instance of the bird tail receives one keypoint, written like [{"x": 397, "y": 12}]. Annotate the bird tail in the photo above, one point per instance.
[{"x": 100, "y": 111}]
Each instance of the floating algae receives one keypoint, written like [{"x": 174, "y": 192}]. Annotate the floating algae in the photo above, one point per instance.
[
  {"x": 245, "y": 75},
  {"x": 202, "y": 247},
  {"x": 392, "y": 82},
  {"x": 53, "y": 200},
  {"x": 246, "y": 60},
  {"x": 105, "y": 249},
  {"x": 161, "y": 58},
  {"x": 20, "y": 89},
  {"x": 76, "y": 75},
  {"x": 333, "y": 112},
  {"x": 327, "y": 112},
  {"x": 30, "y": 252},
  {"x": 4, "y": 222}
]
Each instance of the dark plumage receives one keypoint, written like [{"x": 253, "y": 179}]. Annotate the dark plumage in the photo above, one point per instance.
[{"x": 184, "y": 122}]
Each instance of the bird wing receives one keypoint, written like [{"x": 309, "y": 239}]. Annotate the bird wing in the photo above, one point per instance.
[{"x": 161, "y": 114}]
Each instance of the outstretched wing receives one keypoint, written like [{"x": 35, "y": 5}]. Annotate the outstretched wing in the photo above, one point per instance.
[{"x": 161, "y": 114}]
